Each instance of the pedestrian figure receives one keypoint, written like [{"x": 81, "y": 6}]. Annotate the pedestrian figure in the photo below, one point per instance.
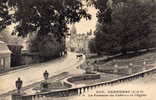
[
  {"x": 79, "y": 56},
  {"x": 65, "y": 52}
]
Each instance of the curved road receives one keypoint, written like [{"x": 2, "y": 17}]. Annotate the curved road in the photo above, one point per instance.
[{"x": 34, "y": 73}]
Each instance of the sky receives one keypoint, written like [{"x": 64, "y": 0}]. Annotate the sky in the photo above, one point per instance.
[{"x": 85, "y": 25}]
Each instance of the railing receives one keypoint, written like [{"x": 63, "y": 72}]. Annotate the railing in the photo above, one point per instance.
[{"x": 81, "y": 90}]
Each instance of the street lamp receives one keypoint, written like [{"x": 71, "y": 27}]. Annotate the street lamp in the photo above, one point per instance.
[
  {"x": 18, "y": 84},
  {"x": 44, "y": 85},
  {"x": 46, "y": 75}
]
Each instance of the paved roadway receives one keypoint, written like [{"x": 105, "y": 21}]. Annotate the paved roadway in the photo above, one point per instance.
[{"x": 34, "y": 73}]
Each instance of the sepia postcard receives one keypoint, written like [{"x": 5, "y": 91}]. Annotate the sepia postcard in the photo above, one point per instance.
[{"x": 77, "y": 49}]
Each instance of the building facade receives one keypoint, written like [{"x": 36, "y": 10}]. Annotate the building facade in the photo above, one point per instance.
[
  {"x": 5, "y": 56},
  {"x": 78, "y": 42}
]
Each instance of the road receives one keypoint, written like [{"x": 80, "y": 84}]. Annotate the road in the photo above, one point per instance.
[{"x": 34, "y": 73}]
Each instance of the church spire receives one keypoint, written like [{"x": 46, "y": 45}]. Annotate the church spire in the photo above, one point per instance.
[{"x": 109, "y": 4}]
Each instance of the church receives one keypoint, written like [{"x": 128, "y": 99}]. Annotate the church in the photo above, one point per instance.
[{"x": 78, "y": 42}]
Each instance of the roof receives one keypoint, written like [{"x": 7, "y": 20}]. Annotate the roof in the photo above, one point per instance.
[{"x": 4, "y": 48}]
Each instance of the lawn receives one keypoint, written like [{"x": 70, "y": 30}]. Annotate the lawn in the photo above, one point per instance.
[{"x": 125, "y": 63}]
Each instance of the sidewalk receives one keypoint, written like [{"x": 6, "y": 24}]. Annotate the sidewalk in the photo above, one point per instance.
[{"x": 27, "y": 66}]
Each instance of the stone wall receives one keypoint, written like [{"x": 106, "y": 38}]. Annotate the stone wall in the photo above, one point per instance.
[
  {"x": 16, "y": 54},
  {"x": 84, "y": 77},
  {"x": 29, "y": 58}
]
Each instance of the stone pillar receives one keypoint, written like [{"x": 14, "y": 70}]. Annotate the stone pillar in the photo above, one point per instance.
[
  {"x": 130, "y": 71},
  {"x": 34, "y": 97},
  {"x": 130, "y": 68},
  {"x": 115, "y": 68},
  {"x": 78, "y": 92},
  {"x": 82, "y": 90},
  {"x": 144, "y": 66},
  {"x": 7, "y": 62}
]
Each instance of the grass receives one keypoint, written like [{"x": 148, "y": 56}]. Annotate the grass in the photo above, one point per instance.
[
  {"x": 106, "y": 64},
  {"x": 54, "y": 82},
  {"x": 106, "y": 67},
  {"x": 103, "y": 77}
]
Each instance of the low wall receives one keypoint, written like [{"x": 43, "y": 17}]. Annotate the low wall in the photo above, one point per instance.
[
  {"x": 84, "y": 77},
  {"x": 30, "y": 58},
  {"x": 69, "y": 82},
  {"x": 24, "y": 58},
  {"x": 66, "y": 84}
]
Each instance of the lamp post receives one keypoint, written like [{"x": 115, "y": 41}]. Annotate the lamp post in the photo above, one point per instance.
[
  {"x": 18, "y": 95},
  {"x": 46, "y": 75},
  {"x": 18, "y": 84},
  {"x": 44, "y": 85}
]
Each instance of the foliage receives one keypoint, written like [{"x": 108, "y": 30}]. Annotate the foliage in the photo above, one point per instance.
[
  {"x": 92, "y": 46},
  {"x": 4, "y": 15},
  {"x": 129, "y": 29},
  {"x": 48, "y": 48},
  {"x": 48, "y": 18},
  {"x": 5, "y": 36}
]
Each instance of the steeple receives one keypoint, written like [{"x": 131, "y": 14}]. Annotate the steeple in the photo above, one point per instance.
[{"x": 109, "y": 4}]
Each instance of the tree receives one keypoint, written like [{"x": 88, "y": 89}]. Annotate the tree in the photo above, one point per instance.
[
  {"x": 92, "y": 46},
  {"x": 5, "y": 17},
  {"x": 46, "y": 18},
  {"x": 5, "y": 36},
  {"x": 129, "y": 29}
]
